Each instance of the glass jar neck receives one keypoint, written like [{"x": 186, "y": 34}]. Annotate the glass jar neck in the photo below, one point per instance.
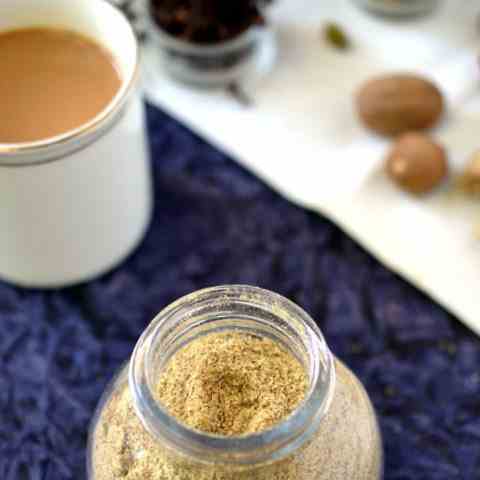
[{"x": 241, "y": 309}]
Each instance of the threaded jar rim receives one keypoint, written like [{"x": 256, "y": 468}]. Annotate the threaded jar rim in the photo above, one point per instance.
[{"x": 243, "y": 309}]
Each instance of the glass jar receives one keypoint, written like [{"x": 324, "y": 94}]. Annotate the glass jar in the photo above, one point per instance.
[
  {"x": 332, "y": 435},
  {"x": 213, "y": 65},
  {"x": 399, "y": 8}
]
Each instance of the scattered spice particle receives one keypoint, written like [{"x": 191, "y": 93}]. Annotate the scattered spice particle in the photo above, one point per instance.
[
  {"x": 356, "y": 348},
  {"x": 336, "y": 36},
  {"x": 448, "y": 346},
  {"x": 239, "y": 94},
  {"x": 390, "y": 391}
]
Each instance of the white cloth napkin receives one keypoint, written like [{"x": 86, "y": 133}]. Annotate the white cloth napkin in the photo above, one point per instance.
[{"x": 302, "y": 136}]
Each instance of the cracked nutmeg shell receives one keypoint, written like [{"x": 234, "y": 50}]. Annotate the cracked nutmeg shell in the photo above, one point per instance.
[
  {"x": 395, "y": 104},
  {"x": 470, "y": 178},
  {"x": 416, "y": 163}
]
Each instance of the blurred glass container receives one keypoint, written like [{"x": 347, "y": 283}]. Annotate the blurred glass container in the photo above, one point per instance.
[
  {"x": 399, "y": 8},
  {"x": 210, "y": 65}
]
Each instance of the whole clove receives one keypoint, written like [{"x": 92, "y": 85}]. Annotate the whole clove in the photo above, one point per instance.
[{"x": 207, "y": 21}]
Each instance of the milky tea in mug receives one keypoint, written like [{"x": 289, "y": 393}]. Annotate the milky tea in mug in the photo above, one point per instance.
[
  {"x": 74, "y": 169},
  {"x": 52, "y": 81}
]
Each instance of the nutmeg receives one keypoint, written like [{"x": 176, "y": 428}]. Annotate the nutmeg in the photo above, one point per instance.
[
  {"x": 396, "y": 104},
  {"x": 416, "y": 163}
]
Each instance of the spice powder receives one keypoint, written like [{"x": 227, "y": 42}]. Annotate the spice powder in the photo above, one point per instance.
[
  {"x": 232, "y": 384},
  {"x": 236, "y": 384}
]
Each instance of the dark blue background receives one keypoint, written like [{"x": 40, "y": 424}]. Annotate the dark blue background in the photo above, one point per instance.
[{"x": 214, "y": 224}]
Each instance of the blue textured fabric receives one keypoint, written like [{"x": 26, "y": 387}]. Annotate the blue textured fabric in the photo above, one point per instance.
[{"x": 214, "y": 224}]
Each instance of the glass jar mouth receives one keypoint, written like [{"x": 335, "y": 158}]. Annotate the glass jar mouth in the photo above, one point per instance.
[
  {"x": 193, "y": 315},
  {"x": 56, "y": 147}
]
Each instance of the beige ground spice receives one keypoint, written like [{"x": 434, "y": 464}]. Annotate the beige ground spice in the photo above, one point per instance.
[
  {"x": 346, "y": 446},
  {"x": 232, "y": 384}
]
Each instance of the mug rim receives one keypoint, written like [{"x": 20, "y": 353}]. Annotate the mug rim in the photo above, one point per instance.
[{"x": 57, "y": 147}]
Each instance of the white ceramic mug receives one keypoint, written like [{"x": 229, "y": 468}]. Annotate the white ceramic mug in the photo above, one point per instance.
[{"x": 74, "y": 206}]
